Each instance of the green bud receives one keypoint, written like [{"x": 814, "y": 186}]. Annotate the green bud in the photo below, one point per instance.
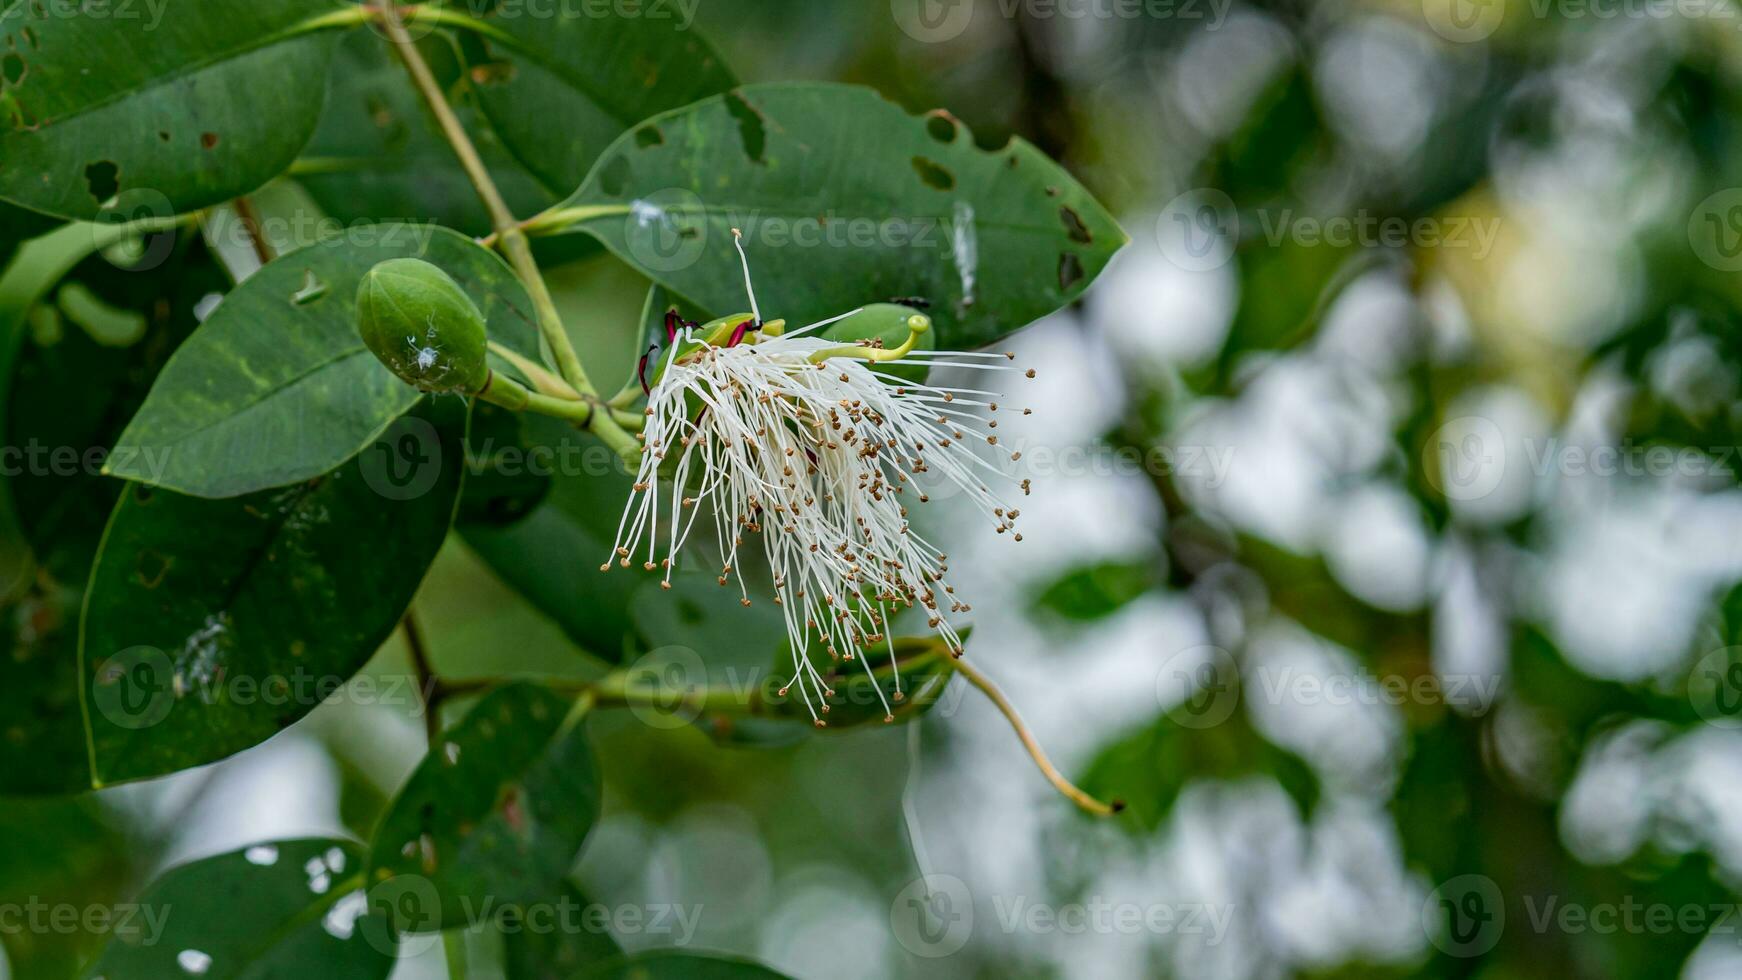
[
  {"x": 893, "y": 324},
  {"x": 423, "y": 326}
]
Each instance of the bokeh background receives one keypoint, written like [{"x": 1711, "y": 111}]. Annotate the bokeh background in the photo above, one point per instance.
[{"x": 1382, "y": 553}]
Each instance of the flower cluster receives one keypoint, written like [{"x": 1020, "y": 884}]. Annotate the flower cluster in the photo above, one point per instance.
[{"x": 815, "y": 447}]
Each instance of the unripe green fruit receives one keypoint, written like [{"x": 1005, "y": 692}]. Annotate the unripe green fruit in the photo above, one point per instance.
[
  {"x": 891, "y": 323},
  {"x": 423, "y": 326}
]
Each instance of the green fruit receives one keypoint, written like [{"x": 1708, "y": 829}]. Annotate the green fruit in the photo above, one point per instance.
[
  {"x": 892, "y": 324},
  {"x": 423, "y": 326}
]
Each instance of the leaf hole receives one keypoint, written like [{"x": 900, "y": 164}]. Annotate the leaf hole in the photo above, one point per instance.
[
  {"x": 934, "y": 174},
  {"x": 163, "y": 134},
  {"x": 103, "y": 180},
  {"x": 942, "y": 127},
  {"x": 13, "y": 69},
  {"x": 751, "y": 130},
  {"x": 1074, "y": 226},
  {"x": 312, "y": 289},
  {"x": 1070, "y": 271},
  {"x": 649, "y": 136}
]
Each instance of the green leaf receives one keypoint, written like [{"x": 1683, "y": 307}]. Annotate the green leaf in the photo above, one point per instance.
[
  {"x": 993, "y": 239},
  {"x": 159, "y": 104},
  {"x": 284, "y": 909},
  {"x": 277, "y": 387},
  {"x": 378, "y": 154},
  {"x": 209, "y": 626},
  {"x": 1096, "y": 591},
  {"x": 670, "y": 964},
  {"x": 560, "y": 89},
  {"x": 495, "y": 814}
]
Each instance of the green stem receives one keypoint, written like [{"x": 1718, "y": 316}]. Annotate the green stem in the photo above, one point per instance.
[
  {"x": 453, "y": 18},
  {"x": 512, "y": 240},
  {"x": 560, "y": 219},
  {"x": 516, "y": 397},
  {"x": 346, "y": 17}
]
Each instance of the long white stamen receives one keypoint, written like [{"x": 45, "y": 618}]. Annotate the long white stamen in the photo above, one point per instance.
[
  {"x": 744, "y": 260},
  {"x": 818, "y": 459}
]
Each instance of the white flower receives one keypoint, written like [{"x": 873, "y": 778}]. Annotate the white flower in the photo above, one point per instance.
[{"x": 806, "y": 444}]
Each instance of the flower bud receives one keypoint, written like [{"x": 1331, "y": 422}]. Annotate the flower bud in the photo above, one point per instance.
[
  {"x": 423, "y": 326},
  {"x": 893, "y": 325}
]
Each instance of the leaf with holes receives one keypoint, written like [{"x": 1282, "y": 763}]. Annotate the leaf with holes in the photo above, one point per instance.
[
  {"x": 277, "y": 387},
  {"x": 163, "y": 106},
  {"x": 845, "y": 200},
  {"x": 284, "y": 909},
  {"x": 599, "y": 75},
  {"x": 495, "y": 813},
  {"x": 211, "y": 625}
]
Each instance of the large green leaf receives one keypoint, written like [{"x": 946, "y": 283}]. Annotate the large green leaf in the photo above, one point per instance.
[
  {"x": 671, "y": 964},
  {"x": 560, "y": 89},
  {"x": 165, "y": 104},
  {"x": 209, "y": 626},
  {"x": 845, "y": 199},
  {"x": 277, "y": 387},
  {"x": 494, "y": 815},
  {"x": 285, "y": 909}
]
